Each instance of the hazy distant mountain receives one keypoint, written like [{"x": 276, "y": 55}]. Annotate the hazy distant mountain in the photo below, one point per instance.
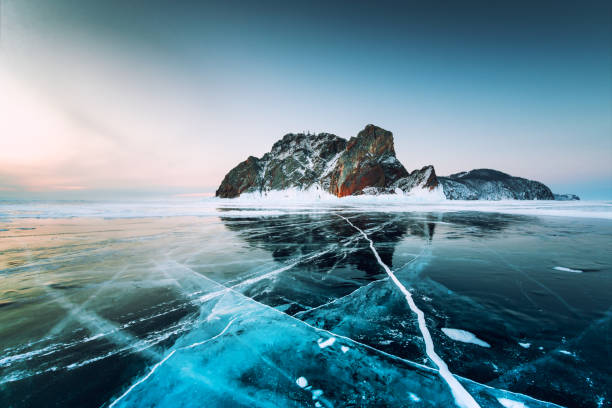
[{"x": 365, "y": 164}]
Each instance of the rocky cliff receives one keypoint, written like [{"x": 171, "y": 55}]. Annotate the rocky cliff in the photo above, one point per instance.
[
  {"x": 365, "y": 164},
  {"x": 368, "y": 161}
]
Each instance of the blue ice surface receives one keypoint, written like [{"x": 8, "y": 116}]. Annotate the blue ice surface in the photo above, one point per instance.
[
  {"x": 198, "y": 311},
  {"x": 243, "y": 353}
]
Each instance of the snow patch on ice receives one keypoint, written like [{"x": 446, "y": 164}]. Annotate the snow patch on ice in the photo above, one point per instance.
[
  {"x": 564, "y": 269},
  {"x": 344, "y": 349},
  {"x": 302, "y": 382},
  {"x": 326, "y": 343},
  {"x": 464, "y": 336},
  {"x": 508, "y": 403},
  {"x": 414, "y": 397}
]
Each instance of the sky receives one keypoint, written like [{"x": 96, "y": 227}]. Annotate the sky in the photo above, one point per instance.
[{"x": 103, "y": 98}]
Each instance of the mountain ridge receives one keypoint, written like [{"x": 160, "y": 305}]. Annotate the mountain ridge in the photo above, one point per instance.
[{"x": 366, "y": 164}]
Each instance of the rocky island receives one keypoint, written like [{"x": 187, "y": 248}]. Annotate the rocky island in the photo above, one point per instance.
[
  {"x": 487, "y": 184},
  {"x": 366, "y": 164}
]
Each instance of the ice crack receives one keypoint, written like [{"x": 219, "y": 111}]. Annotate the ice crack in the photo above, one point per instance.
[
  {"x": 143, "y": 379},
  {"x": 462, "y": 397},
  {"x": 150, "y": 373}
]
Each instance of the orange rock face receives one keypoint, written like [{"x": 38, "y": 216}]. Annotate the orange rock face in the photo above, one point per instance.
[
  {"x": 369, "y": 161},
  {"x": 360, "y": 179}
]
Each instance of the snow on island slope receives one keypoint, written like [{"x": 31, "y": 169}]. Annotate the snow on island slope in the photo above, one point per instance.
[{"x": 316, "y": 193}]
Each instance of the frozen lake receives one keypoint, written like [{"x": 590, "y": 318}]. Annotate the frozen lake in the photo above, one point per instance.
[{"x": 233, "y": 303}]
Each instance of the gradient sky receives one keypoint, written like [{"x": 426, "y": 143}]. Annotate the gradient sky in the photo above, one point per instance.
[{"x": 166, "y": 96}]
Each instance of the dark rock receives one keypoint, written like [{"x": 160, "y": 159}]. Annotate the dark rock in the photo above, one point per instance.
[
  {"x": 241, "y": 178},
  {"x": 566, "y": 197}
]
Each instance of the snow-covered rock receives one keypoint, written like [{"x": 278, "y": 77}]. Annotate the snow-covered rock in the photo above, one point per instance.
[
  {"x": 487, "y": 184},
  {"x": 327, "y": 164}
]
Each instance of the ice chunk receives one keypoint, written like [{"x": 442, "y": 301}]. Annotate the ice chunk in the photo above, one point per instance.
[
  {"x": 464, "y": 336},
  {"x": 525, "y": 345},
  {"x": 414, "y": 397},
  {"x": 326, "y": 343},
  {"x": 508, "y": 403},
  {"x": 564, "y": 269},
  {"x": 301, "y": 382}
]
